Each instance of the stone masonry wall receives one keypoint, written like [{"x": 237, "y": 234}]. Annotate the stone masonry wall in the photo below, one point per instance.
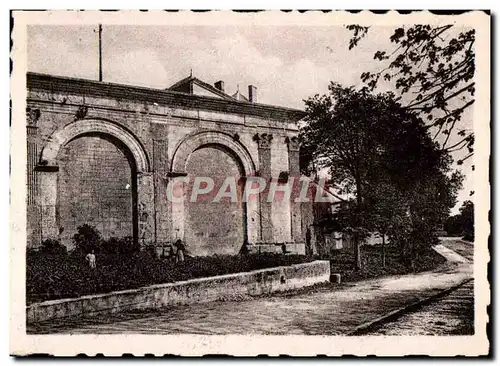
[
  {"x": 213, "y": 227},
  {"x": 95, "y": 187},
  {"x": 86, "y": 182}
]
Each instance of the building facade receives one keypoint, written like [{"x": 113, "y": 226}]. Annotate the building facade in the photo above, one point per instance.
[{"x": 103, "y": 154}]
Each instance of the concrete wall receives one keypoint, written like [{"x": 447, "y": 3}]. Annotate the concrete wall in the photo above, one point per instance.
[{"x": 224, "y": 287}]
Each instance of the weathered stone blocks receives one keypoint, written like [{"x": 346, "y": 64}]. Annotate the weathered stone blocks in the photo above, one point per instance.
[{"x": 157, "y": 131}]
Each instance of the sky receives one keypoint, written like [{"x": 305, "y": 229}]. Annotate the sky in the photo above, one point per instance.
[{"x": 286, "y": 64}]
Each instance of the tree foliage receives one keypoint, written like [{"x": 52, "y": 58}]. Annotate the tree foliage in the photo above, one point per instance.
[
  {"x": 53, "y": 246},
  {"x": 462, "y": 224},
  {"x": 87, "y": 238},
  {"x": 357, "y": 135},
  {"x": 432, "y": 68},
  {"x": 380, "y": 154}
]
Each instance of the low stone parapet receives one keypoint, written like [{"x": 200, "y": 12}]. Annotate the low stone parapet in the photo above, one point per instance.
[
  {"x": 225, "y": 287},
  {"x": 278, "y": 248}
]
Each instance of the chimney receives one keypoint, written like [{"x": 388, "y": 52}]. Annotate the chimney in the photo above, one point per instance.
[
  {"x": 252, "y": 94},
  {"x": 219, "y": 85}
]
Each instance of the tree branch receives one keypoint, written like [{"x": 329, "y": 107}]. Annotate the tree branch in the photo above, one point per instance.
[{"x": 412, "y": 106}]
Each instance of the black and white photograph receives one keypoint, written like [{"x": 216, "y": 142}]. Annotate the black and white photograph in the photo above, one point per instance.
[{"x": 262, "y": 175}]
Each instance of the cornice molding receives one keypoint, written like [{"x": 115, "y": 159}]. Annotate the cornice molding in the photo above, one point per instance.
[{"x": 58, "y": 84}]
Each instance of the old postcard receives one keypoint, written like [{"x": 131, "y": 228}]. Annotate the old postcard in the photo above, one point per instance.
[{"x": 281, "y": 183}]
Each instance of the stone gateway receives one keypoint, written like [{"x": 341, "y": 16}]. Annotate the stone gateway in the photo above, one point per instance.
[{"x": 103, "y": 154}]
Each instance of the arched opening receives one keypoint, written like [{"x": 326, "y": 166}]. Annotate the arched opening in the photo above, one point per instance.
[
  {"x": 212, "y": 225},
  {"x": 96, "y": 185},
  {"x": 228, "y": 153},
  {"x": 131, "y": 158}
]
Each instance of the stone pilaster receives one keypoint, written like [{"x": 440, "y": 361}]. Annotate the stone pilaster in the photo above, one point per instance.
[
  {"x": 177, "y": 185},
  {"x": 145, "y": 209},
  {"x": 294, "y": 172},
  {"x": 264, "y": 141},
  {"x": 47, "y": 199},
  {"x": 33, "y": 229},
  {"x": 162, "y": 208},
  {"x": 32, "y": 153}
]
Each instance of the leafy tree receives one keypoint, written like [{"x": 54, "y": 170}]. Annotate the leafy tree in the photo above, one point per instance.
[
  {"x": 463, "y": 223},
  {"x": 433, "y": 69},
  {"x": 339, "y": 135},
  {"x": 387, "y": 207},
  {"x": 381, "y": 154},
  {"x": 431, "y": 202},
  {"x": 452, "y": 225},
  {"x": 415, "y": 195},
  {"x": 306, "y": 161},
  {"x": 413, "y": 210},
  {"x": 348, "y": 218},
  {"x": 467, "y": 219}
]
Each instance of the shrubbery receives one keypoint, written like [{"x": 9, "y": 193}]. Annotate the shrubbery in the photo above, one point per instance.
[
  {"x": 53, "y": 274},
  {"x": 118, "y": 246},
  {"x": 89, "y": 239},
  {"x": 51, "y": 246},
  {"x": 55, "y": 277},
  {"x": 342, "y": 261}
]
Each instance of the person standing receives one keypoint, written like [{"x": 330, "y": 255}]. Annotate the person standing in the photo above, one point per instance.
[
  {"x": 180, "y": 251},
  {"x": 91, "y": 259}
]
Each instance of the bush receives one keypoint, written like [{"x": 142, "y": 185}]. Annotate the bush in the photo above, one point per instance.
[
  {"x": 64, "y": 276},
  {"x": 118, "y": 246},
  {"x": 87, "y": 239},
  {"x": 52, "y": 246},
  {"x": 342, "y": 261},
  {"x": 55, "y": 277}
]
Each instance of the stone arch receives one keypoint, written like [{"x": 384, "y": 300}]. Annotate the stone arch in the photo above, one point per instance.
[
  {"x": 194, "y": 141},
  {"x": 231, "y": 145},
  {"x": 81, "y": 127},
  {"x": 47, "y": 171}
]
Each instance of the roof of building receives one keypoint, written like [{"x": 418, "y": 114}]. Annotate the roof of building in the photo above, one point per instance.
[
  {"x": 226, "y": 103},
  {"x": 186, "y": 85},
  {"x": 239, "y": 96}
]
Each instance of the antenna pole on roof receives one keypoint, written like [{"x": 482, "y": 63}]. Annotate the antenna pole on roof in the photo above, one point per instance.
[
  {"x": 191, "y": 72},
  {"x": 100, "y": 52}
]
